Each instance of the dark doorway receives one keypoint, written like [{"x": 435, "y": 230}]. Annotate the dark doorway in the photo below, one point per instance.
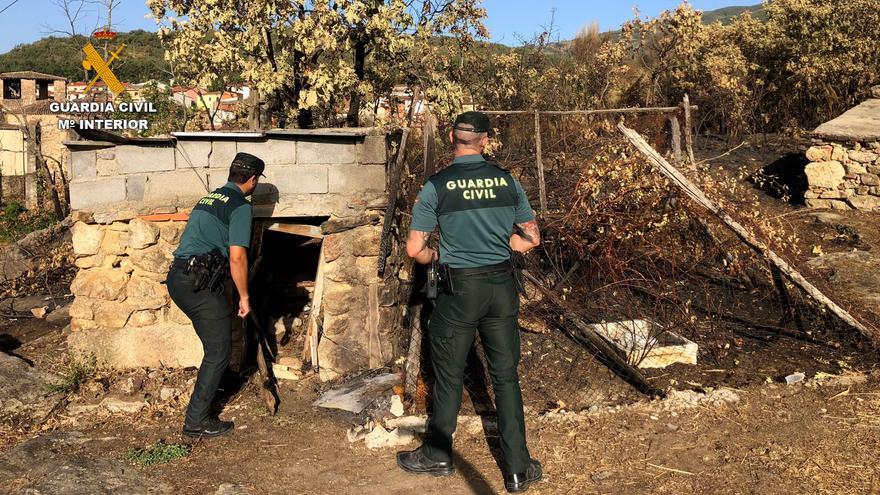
[{"x": 786, "y": 178}]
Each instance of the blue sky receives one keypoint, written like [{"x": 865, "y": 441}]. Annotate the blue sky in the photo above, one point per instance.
[{"x": 508, "y": 21}]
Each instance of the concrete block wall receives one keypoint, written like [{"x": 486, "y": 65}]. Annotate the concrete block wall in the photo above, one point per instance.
[{"x": 308, "y": 173}]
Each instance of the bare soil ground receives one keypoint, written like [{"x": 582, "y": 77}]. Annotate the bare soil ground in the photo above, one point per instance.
[
  {"x": 816, "y": 436},
  {"x": 777, "y": 438}
]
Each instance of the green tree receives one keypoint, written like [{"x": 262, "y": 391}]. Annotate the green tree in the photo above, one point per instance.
[{"x": 304, "y": 56}]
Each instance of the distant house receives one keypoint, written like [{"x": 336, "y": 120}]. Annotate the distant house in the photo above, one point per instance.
[
  {"x": 243, "y": 90},
  {"x": 136, "y": 90},
  {"x": 28, "y": 87},
  {"x": 24, "y": 110}
]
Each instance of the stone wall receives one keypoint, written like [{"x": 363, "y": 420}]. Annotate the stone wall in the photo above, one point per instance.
[
  {"x": 843, "y": 175},
  {"x": 121, "y": 310},
  {"x": 132, "y": 202},
  {"x": 358, "y": 308}
]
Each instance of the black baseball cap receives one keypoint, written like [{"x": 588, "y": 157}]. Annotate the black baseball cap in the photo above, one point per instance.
[
  {"x": 472, "y": 121},
  {"x": 248, "y": 163}
]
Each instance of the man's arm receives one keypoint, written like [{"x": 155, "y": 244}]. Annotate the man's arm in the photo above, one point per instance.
[
  {"x": 417, "y": 247},
  {"x": 239, "y": 241},
  {"x": 238, "y": 266},
  {"x": 526, "y": 236}
]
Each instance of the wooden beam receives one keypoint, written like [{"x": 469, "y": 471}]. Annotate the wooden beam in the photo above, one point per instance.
[
  {"x": 677, "y": 178},
  {"x": 394, "y": 176},
  {"x": 542, "y": 187},
  {"x": 312, "y": 231},
  {"x": 374, "y": 343},
  {"x": 310, "y": 347}
]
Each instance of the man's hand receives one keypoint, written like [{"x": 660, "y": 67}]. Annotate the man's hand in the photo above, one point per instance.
[
  {"x": 417, "y": 247},
  {"x": 244, "y": 307},
  {"x": 526, "y": 237}
]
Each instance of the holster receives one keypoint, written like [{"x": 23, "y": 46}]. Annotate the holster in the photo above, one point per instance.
[
  {"x": 439, "y": 280},
  {"x": 210, "y": 270},
  {"x": 433, "y": 283},
  {"x": 447, "y": 282}
]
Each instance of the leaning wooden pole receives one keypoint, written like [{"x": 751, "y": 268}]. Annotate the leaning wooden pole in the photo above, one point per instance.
[
  {"x": 587, "y": 335},
  {"x": 677, "y": 178}
]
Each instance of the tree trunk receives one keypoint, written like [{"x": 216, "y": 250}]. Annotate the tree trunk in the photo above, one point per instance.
[{"x": 354, "y": 105}]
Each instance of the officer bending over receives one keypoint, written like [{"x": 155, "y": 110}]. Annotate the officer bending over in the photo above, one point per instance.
[
  {"x": 476, "y": 205},
  {"x": 213, "y": 247}
]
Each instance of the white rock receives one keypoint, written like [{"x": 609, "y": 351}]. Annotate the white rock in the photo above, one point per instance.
[
  {"x": 119, "y": 405},
  {"x": 283, "y": 372},
  {"x": 40, "y": 312},
  {"x": 356, "y": 434},
  {"x": 381, "y": 438},
  {"x": 86, "y": 238},
  {"x": 279, "y": 327},
  {"x": 291, "y": 362},
  {"x": 168, "y": 393},
  {"x": 396, "y": 406}
]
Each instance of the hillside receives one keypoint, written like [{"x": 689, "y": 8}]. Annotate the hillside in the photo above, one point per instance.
[
  {"x": 142, "y": 58},
  {"x": 726, "y": 14}
]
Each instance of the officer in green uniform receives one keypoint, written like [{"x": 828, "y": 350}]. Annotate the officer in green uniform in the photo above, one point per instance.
[
  {"x": 220, "y": 223},
  {"x": 476, "y": 205}
]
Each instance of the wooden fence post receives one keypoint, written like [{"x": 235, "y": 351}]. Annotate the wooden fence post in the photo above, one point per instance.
[
  {"x": 542, "y": 187},
  {"x": 688, "y": 130},
  {"x": 675, "y": 129},
  {"x": 429, "y": 131}
]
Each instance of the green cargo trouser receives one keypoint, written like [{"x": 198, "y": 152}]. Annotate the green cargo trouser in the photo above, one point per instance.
[
  {"x": 490, "y": 303},
  {"x": 211, "y": 315}
]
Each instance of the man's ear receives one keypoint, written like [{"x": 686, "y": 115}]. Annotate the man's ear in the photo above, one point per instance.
[
  {"x": 485, "y": 141},
  {"x": 450, "y": 137}
]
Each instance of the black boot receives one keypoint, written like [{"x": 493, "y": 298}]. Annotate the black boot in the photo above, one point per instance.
[
  {"x": 519, "y": 482},
  {"x": 416, "y": 462},
  {"x": 210, "y": 427}
]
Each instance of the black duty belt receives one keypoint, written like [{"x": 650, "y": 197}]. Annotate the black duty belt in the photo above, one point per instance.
[{"x": 502, "y": 267}]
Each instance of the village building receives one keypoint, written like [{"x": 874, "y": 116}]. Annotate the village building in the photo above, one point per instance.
[{"x": 24, "y": 113}]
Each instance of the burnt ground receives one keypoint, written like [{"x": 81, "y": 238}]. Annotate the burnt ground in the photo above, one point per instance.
[
  {"x": 817, "y": 436},
  {"x": 777, "y": 438}
]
